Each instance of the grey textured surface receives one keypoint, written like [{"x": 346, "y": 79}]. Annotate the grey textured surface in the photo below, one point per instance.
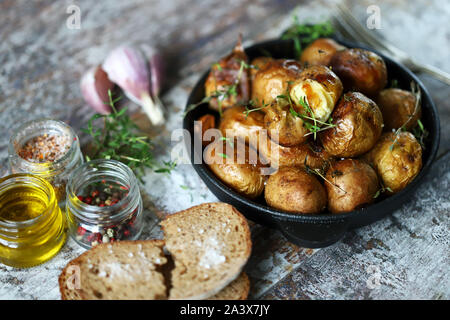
[{"x": 41, "y": 62}]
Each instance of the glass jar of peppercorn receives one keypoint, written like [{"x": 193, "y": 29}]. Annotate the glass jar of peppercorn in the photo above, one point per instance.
[
  {"x": 103, "y": 203},
  {"x": 46, "y": 148}
]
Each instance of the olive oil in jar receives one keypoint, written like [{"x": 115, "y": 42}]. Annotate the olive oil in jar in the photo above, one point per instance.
[{"x": 32, "y": 227}]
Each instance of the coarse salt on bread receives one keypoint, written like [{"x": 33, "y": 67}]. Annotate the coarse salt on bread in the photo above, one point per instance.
[
  {"x": 210, "y": 243},
  {"x": 122, "y": 270}
]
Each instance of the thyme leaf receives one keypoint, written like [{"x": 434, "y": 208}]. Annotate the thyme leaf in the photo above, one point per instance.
[
  {"x": 118, "y": 139},
  {"x": 306, "y": 33}
]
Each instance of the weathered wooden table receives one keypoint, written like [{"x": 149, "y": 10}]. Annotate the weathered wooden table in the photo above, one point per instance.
[{"x": 41, "y": 61}]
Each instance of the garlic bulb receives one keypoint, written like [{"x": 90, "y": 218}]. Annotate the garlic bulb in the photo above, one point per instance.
[
  {"x": 127, "y": 67},
  {"x": 94, "y": 88}
]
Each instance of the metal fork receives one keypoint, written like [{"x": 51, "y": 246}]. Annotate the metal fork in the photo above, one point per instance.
[{"x": 350, "y": 28}]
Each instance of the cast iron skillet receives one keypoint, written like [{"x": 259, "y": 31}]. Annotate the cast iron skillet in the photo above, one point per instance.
[{"x": 315, "y": 231}]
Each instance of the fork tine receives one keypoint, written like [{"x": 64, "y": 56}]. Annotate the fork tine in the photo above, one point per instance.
[
  {"x": 366, "y": 35},
  {"x": 356, "y": 27},
  {"x": 345, "y": 30}
]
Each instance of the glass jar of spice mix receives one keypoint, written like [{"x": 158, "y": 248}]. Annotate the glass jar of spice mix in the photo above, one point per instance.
[
  {"x": 32, "y": 226},
  {"x": 103, "y": 203},
  {"x": 47, "y": 148}
]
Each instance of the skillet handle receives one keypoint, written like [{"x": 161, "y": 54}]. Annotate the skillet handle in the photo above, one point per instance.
[{"x": 313, "y": 235}]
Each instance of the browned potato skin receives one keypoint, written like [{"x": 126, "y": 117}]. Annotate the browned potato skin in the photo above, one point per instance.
[
  {"x": 207, "y": 122},
  {"x": 244, "y": 127},
  {"x": 350, "y": 184},
  {"x": 258, "y": 64},
  {"x": 398, "y": 108},
  {"x": 396, "y": 164},
  {"x": 283, "y": 127},
  {"x": 241, "y": 175},
  {"x": 224, "y": 74},
  {"x": 320, "y": 52},
  {"x": 235, "y": 123},
  {"x": 360, "y": 70},
  {"x": 358, "y": 125},
  {"x": 305, "y": 154},
  {"x": 272, "y": 80},
  {"x": 294, "y": 190}
]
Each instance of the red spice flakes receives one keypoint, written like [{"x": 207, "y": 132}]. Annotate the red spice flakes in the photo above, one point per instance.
[{"x": 45, "y": 148}]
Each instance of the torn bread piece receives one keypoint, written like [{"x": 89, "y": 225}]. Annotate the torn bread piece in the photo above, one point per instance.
[
  {"x": 210, "y": 244},
  {"x": 123, "y": 270}
]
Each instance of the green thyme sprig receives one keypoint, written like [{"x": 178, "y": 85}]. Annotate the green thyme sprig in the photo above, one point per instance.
[
  {"x": 383, "y": 189},
  {"x": 304, "y": 34},
  {"x": 249, "y": 108},
  {"x": 118, "y": 139},
  {"x": 320, "y": 173}
]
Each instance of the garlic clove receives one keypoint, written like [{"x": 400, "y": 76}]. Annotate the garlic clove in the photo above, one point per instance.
[
  {"x": 94, "y": 88},
  {"x": 127, "y": 67},
  {"x": 156, "y": 66}
]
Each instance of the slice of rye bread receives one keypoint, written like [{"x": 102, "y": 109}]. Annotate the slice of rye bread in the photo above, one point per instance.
[
  {"x": 236, "y": 290},
  {"x": 210, "y": 244},
  {"x": 119, "y": 271}
]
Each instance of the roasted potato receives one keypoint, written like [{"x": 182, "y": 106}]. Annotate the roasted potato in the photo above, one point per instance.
[
  {"x": 399, "y": 109},
  {"x": 320, "y": 88},
  {"x": 205, "y": 123},
  {"x": 320, "y": 52},
  {"x": 251, "y": 129},
  {"x": 294, "y": 190},
  {"x": 350, "y": 184},
  {"x": 357, "y": 124},
  {"x": 258, "y": 64},
  {"x": 282, "y": 126},
  {"x": 223, "y": 75},
  {"x": 306, "y": 154},
  {"x": 234, "y": 122},
  {"x": 360, "y": 70},
  {"x": 397, "y": 158},
  {"x": 273, "y": 80},
  {"x": 238, "y": 170}
]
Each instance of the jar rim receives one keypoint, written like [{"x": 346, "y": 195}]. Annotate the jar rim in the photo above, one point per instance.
[
  {"x": 88, "y": 211},
  {"x": 45, "y": 186},
  {"x": 41, "y": 166}
]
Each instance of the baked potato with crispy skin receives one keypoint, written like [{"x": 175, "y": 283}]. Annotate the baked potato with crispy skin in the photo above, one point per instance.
[
  {"x": 294, "y": 190},
  {"x": 360, "y": 70},
  {"x": 205, "y": 123},
  {"x": 223, "y": 75},
  {"x": 320, "y": 88},
  {"x": 306, "y": 154},
  {"x": 234, "y": 122},
  {"x": 238, "y": 170},
  {"x": 258, "y": 64},
  {"x": 320, "y": 52},
  {"x": 399, "y": 108},
  {"x": 350, "y": 184},
  {"x": 282, "y": 126},
  {"x": 273, "y": 80},
  {"x": 397, "y": 158},
  {"x": 357, "y": 124}
]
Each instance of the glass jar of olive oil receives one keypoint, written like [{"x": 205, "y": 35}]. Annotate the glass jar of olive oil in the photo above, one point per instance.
[
  {"x": 47, "y": 148},
  {"x": 32, "y": 227}
]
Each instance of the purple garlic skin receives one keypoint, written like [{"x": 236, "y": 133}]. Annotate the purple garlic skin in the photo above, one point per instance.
[
  {"x": 156, "y": 66},
  {"x": 94, "y": 88},
  {"x": 128, "y": 68}
]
